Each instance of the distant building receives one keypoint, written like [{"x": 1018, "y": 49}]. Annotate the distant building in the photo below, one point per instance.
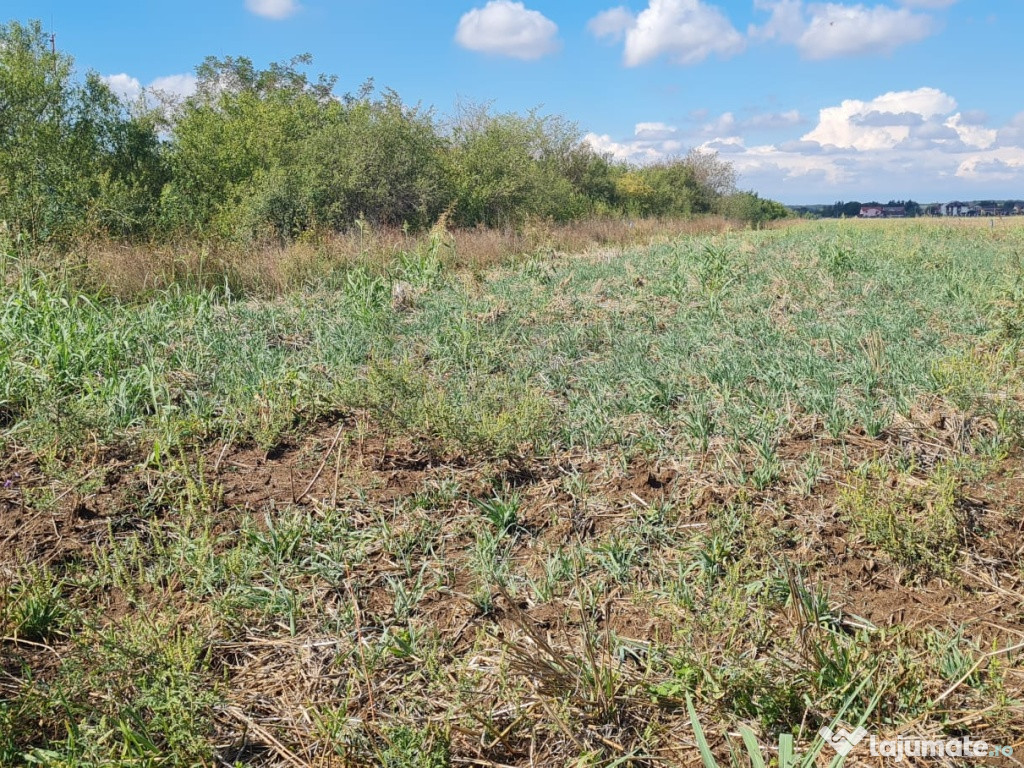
[
  {"x": 882, "y": 212},
  {"x": 955, "y": 208}
]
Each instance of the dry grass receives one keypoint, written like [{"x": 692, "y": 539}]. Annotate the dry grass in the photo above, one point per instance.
[{"x": 272, "y": 268}]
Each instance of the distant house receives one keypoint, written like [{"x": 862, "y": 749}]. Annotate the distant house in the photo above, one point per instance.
[
  {"x": 991, "y": 210},
  {"x": 1018, "y": 209},
  {"x": 883, "y": 212},
  {"x": 955, "y": 208}
]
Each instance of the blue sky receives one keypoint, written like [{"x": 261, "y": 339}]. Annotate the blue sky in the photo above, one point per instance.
[{"x": 811, "y": 101}]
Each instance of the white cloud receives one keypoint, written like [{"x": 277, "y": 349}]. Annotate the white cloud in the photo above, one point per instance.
[
  {"x": 509, "y": 29},
  {"x": 272, "y": 9},
  {"x": 628, "y": 151},
  {"x": 787, "y": 22},
  {"x": 177, "y": 86},
  {"x": 830, "y": 30},
  {"x": 839, "y": 30},
  {"x": 1012, "y": 134},
  {"x": 652, "y": 142},
  {"x": 1004, "y": 165},
  {"x": 655, "y": 131},
  {"x": 686, "y": 31},
  {"x": 906, "y": 143},
  {"x": 170, "y": 87},
  {"x": 127, "y": 87},
  {"x": 612, "y": 24},
  {"x": 863, "y": 125},
  {"x": 971, "y": 134},
  {"x": 728, "y": 124},
  {"x": 900, "y": 144}
]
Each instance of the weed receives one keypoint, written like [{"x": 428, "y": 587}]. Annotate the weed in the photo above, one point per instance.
[
  {"x": 414, "y": 748},
  {"x": 919, "y": 525},
  {"x": 501, "y": 512},
  {"x": 154, "y": 445},
  {"x": 35, "y": 607}
]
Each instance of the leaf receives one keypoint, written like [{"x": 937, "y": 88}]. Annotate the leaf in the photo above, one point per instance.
[
  {"x": 753, "y": 748},
  {"x": 698, "y": 733},
  {"x": 785, "y": 750}
]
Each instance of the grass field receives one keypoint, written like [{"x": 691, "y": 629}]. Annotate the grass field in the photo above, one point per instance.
[{"x": 520, "y": 514}]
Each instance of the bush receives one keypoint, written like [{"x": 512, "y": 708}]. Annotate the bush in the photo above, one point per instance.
[
  {"x": 70, "y": 155},
  {"x": 257, "y": 154},
  {"x": 748, "y": 207},
  {"x": 682, "y": 187},
  {"x": 380, "y": 161},
  {"x": 510, "y": 167}
]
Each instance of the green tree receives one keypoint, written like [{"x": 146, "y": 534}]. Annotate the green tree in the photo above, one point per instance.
[
  {"x": 233, "y": 142},
  {"x": 379, "y": 160},
  {"x": 509, "y": 167},
  {"x": 751, "y": 208},
  {"x": 681, "y": 187},
  {"x": 61, "y": 142}
]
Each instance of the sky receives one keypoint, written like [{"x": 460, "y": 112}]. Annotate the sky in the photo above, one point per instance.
[{"x": 812, "y": 102}]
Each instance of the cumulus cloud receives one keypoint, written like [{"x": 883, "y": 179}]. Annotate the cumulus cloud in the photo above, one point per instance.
[
  {"x": 163, "y": 89},
  {"x": 127, "y": 87},
  {"x": 900, "y": 144},
  {"x": 272, "y": 9},
  {"x": 971, "y": 133},
  {"x": 653, "y": 142},
  {"x": 774, "y": 120},
  {"x": 655, "y": 131},
  {"x": 650, "y": 143},
  {"x": 177, "y": 86},
  {"x": 831, "y": 30},
  {"x": 879, "y": 119},
  {"x": 872, "y": 148},
  {"x": 728, "y": 123},
  {"x": 684, "y": 31},
  {"x": 1012, "y": 134},
  {"x": 839, "y": 30},
  {"x": 508, "y": 28},
  {"x": 612, "y": 24},
  {"x": 627, "y": 151},
  {"x": 864, "y": 125},
  {"x": 1005, "y": 165},
  {"x": 786, "y": 23}
]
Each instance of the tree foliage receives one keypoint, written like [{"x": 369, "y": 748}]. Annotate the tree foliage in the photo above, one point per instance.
[
  {"x": 753, "y": 209},
  {"x": 69, "y": 153},
  {"x": 272, "y": 152}
]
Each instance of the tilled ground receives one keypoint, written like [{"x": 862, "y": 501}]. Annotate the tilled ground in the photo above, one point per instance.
[{"x": 352, "y": 599}]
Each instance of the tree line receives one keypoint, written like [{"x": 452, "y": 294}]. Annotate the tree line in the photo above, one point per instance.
[
  {"x": 257, "y": 153},
  {"x": 851, "y": 209}
]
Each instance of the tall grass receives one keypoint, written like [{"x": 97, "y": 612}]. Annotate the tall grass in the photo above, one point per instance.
[{"x": 273, "y": 268}]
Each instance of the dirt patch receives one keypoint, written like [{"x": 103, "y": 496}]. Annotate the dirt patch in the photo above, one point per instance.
[{"x": 274, "y": 684}]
